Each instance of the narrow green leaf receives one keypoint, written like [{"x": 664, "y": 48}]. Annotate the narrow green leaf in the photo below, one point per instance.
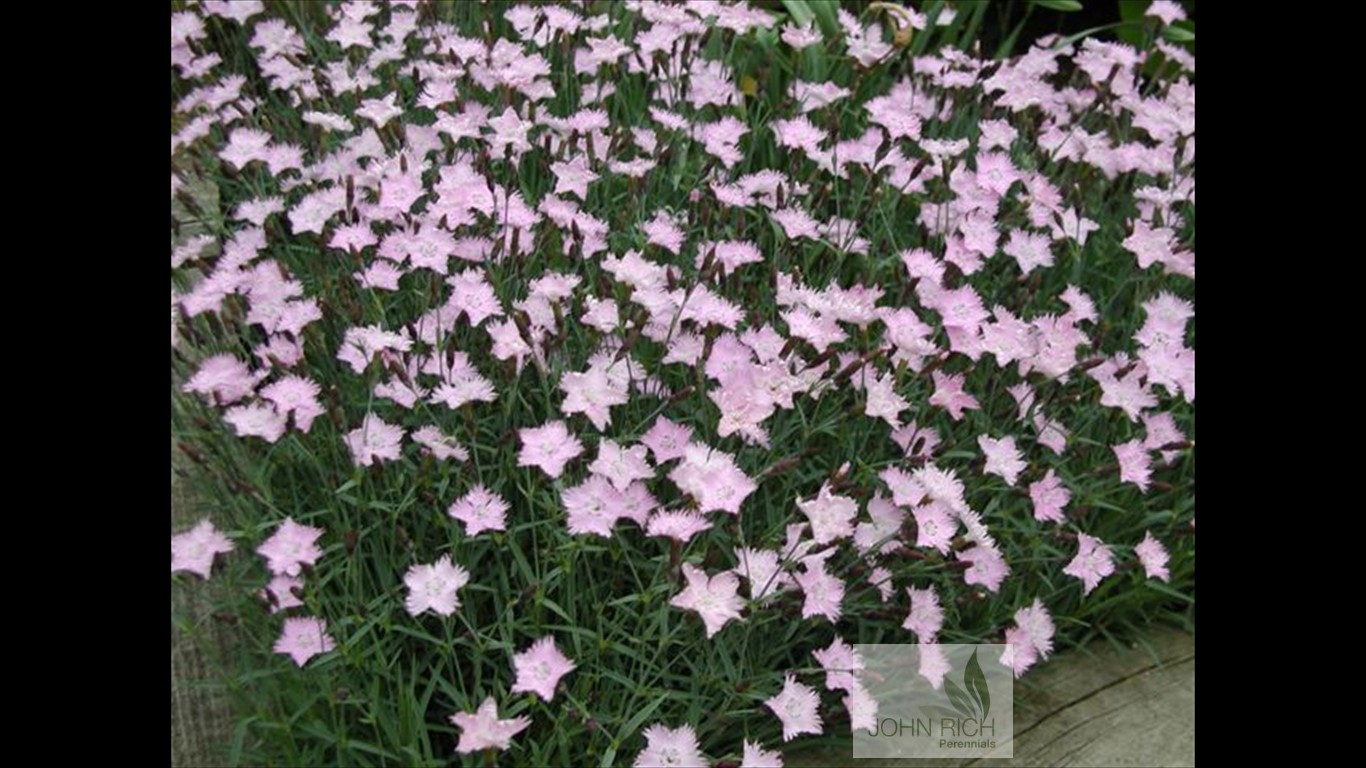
[
  {"x": 1179, "y": 34},
  {"x": 976, "y": 681},
  {"x": 1065, "y": 6}
]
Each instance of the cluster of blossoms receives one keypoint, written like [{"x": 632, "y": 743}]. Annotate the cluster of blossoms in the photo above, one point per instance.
[{"x": 385, "y": 283}]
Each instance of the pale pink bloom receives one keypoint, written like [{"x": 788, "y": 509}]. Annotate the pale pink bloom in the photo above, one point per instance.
[
  {"x": 995, "y": 172},
  {"x": 539, "y": 669},
  {"x": 943, "y": 486},
  {"x": 881, "y": 578},
  {"x": 374, "y": 440},
  {"x": 926, "y": 618},
  {"x": 1135, "y": 463},
  {"x": 949, "y": 394},
  {"x": 667, "y": 440},
  {"x": 303, "y": 638},
  {"x": 798, "y": 707},
  {"x": 573, "y": 176},
  {"x": 762, "y": 569},
  {"x": 935, "y": 526},
  {"x": 1168, "y": 11},
  {"x": 1037, "y": 625},
  {"x": 712, "y": 478},
  {"x": 256, "y": 420},
  {"x": 801, "y": 37},
  {"x": 1093, "y": 562},
  {"x": 988, "y": 568},
  {"x": 841, "y": 662},
  {"x": 622, "y": 466},
  {"x": 195, "y": 549},
  {"x": 1019, "y": 654},
  {"x": 883, "y": 401},
  {"x": 823, "y": 591},
  {"x": 360, "y": 345},
  {"x": 221, "y": 379},
  {"x": 663, "y": 232},
  {"x": 1003, "y": 458},
  {"x": 281, "y": 591},
  {"x": 677, "y": 525},
  {"x": 862, "y": 708},
  {"x": 1153, "y": 556},
  {"x": 1029, "y": 249},
  {"x": 481, "y": 730},
  {"x": 831, "y": 516},
  {"x": 934, "y": 664},
  {"x": 797, "y": 223},
  {"x": 715, "y": 599},
  {"x": 434, "y": 587},
  {"x": 799, "y": 133},
  {"x": 670, "y": 748},
  {"x": 480, "y": 510},
  {"x": 291, "y": 547},
  {"x": 756, "y": 757},
  {"x": 298, "y": 396},
  {"x": 379, "y": 111},
  {"x": 880, "y": 532},
  {"x": 550, "y": 447},
  {"x": 1049, "y": 496},
  {"x": 442, "y": 446},
  {"x": 592, "y": 393},
  {"x": 591, "y": 507}
]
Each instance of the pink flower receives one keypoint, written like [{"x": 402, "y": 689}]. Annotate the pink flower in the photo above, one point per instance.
[
  {"x": 374, "y": 440},
  {"x": 480, "y": 510},
  {"x": 195, "y": 549},
  {"x": 256, "y": 420},
  {"x": 591, "y": 507},
  {"x": 715, "y": 599},
  {"x": 831, "y": 516},
  {"x": 713, "y": 479},
  {"x": 988, "y": 567},
  {"x": 1019, "y": 654},
  {"x": 761, "y": 568},
  {"x": 221, "y": 379},
  {"x": 280, "y": 593},
  {"x": 1153, "y": 556},
  {"x": 1093, "y": 562},
  {"x": 1135, "y": 464},
  {"x": 593, "y": 393},
  {"x": 934, "y": 527},
  {"x": 549, "y": 447},
  {"x": 756, "y": 757},
  {"x": 622, "y": 466},
  {"x": 1049, "y": 496},
  {"x": 949, "y": 394},
  {"x": 678, "y": 525},
  {"x": 303, "y": 638},
  {"x": 798, "y": 707},
  {"x": 298, "y": 396},
  {"x": 841, "y": 661},
  {"x": 539, "y": 669},
  {"x": 482, "y": 729},
  {"x": 1003, "y": 458},
  {"x": 434, "y": 587},
  {"x": 667, "y": 440},
  {"x": 934, "y": 664},
  {"x": 670, "y": 748},
  {"x": 291, "y": 547},
  {"x": 1038, "y": 627},
  {"x": 824, "y": 592},
  {"x": 442, "y": 446},
  {"x": 927, "y": 616}
]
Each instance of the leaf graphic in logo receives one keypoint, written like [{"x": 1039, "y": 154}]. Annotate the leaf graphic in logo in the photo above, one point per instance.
[
  {"x": 958, "y": 698},
  {"x": 976, "y": 682}
]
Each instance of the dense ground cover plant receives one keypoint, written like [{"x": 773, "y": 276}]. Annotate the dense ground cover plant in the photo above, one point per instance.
[{"x": 575, "y": 383}]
